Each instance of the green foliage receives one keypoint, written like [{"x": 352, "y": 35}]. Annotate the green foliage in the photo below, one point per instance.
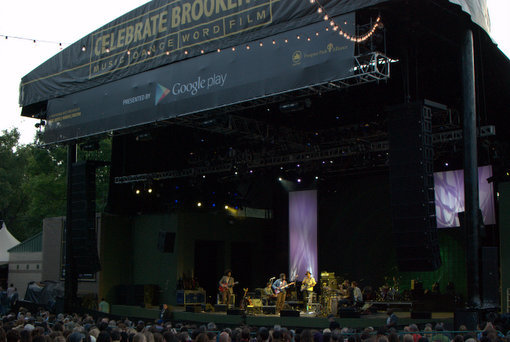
[{"x": 33, "y": 182}]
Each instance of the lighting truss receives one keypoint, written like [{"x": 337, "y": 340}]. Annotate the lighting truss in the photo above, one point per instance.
[{"x": 259, "y": 161}]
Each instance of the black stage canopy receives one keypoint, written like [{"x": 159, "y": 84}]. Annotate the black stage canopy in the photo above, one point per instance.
[{"x": 138, "y": 68}]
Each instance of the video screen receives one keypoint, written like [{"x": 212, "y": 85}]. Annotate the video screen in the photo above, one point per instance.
[{"x": 449, "y": 196}]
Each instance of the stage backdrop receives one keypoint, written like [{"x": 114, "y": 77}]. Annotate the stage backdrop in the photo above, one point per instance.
[{"x": 302, "y": 233}]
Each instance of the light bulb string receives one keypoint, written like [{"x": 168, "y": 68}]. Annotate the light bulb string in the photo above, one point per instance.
[
  {"x": 33, "y": 40},
  {"x": 354, "y": 38}
]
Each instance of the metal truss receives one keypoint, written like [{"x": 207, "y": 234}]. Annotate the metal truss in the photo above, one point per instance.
[
  {"x": 368, "y": 68},
  {"x": 260, "y": 161}
]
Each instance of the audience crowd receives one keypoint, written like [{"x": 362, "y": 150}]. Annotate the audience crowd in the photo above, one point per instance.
[{"x": 24, "y": 326}]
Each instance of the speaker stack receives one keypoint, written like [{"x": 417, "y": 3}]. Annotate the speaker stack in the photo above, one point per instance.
[{"x": 412, "y": 187}]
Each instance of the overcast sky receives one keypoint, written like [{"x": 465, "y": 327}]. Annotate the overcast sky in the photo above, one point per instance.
[{"x": 67, "y": 21}]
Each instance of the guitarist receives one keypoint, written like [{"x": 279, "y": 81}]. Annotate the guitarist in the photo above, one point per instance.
[
  {"x": 279, "y": 287},
  {"x": 226, "y": 287},
  {"x": 307, "y": 288}
]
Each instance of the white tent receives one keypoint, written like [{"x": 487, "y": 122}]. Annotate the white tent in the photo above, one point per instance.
[{"x": 7, "y": 241}]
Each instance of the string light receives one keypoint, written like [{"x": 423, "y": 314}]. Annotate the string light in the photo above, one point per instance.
[
  {"x": 336, "y": 27},
  {"x": 33, "y": 40},
  {"x": 320, "y": 10}
]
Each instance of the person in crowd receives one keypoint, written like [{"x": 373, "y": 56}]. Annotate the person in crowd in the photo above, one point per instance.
[
  {"x": 392, "y": 320},
  {"x": 104, "y": 306}
]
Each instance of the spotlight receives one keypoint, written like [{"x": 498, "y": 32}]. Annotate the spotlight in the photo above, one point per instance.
[
  {"x": 299, "y": 180},
  {"x": 280, "y": 179},
  {"x": 316, "y": 177},
  {"x": 149, "y": 190},
  {"x": 199, "y": 204},
  {"x": 137, "y": 191},
  {"x": 226, "y": 206}
]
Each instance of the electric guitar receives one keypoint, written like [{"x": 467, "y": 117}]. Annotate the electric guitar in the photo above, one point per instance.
[
  {"x": 225, "y": 287},
  {"x": 306, "y": 286},
  {"x": 280, "y": 288}
]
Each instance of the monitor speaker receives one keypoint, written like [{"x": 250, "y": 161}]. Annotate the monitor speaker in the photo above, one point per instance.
[{"x": 289, "y": 313}]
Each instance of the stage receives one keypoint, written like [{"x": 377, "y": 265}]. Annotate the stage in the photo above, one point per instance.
[{"x": 304, "y": 320}]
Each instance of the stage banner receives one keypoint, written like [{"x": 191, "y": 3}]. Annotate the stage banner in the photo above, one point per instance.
[
  {"x": 163, "y": 32},
  {"x": 284, "y": 62}
]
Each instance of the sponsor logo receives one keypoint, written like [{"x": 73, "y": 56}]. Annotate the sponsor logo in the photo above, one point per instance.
[
  {"x": 161, "y": 93},
  {"x": 193, "y": 87},
  {"x": 297, "y": 57}
]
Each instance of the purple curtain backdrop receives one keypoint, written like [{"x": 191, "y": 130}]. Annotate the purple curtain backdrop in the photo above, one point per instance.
[
  {"x": 449, "y": 196},
  {"x": 302, "y": 233}
]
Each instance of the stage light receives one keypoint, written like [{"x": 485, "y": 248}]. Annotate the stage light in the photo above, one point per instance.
[
  {"x": 226, "y": 206},
  {"x": 149, "y": 190},
  {"x": 446, "y": 164},
  {"x": 214, "y": 205},
  {"x": 280, "y": 179},
  {"x": 316, "y": 177},
  {"x": 203, "y": 176},
  {"x": 299, "y": 180},
  {"x": 137, "y": 191},
  {"x": 199, "y": 204}
]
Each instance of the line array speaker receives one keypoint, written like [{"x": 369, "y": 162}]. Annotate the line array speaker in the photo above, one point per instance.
[{"x": 412, "y": 187}]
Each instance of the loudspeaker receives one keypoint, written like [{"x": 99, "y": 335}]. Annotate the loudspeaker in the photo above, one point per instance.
[
  {"x": 421, "y": 315},
  {"x": 469, "y": 318},
  {"x": 193, "y": 308},
  {"x": 269, "y": 309},
  {"x": 348, "y": 313},
  {"x": 235, "y": 312},
  {"x": 289, "y": 313},
  {"x": 490, "y": 277},
  {"x": 220, "y": 307},
  {"x": 166, "y": 241},
  {"x": 82, "y": 220},
  {"x": 412, "y": 187}
]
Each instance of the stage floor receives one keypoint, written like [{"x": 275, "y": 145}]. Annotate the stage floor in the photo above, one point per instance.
[{"x": 304, "y": 320}]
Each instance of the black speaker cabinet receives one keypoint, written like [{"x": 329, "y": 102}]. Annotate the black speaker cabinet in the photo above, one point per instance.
[
  {"x": 193, "y": 308},
  {"x": 289, "y": 313},
  {"x": 220, "y": 307},
  {"x": 166, "y": 241},
  {"x": 235, "y": 312},
  {"x": 348, "y": 313},
  {"x": 469, "y": 318},
  {"x": 269, "y": 309},
  {"x": 421, "y": 315}
]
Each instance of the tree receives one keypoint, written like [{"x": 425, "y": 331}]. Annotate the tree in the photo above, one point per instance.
[{"x": 13, "y": 200}]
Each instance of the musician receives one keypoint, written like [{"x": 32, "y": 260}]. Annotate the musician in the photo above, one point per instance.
[
  {"x": 279, "y": 287},
  {"x": 356, "y": 293},
  {"x": 346, "y": 293},
  {"x": 268, "y": 293},
  {"x": 226, "y": 287},
  {"x": 307, "y": 288}
]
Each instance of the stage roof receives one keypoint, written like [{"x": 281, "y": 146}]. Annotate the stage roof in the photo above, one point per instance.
[{"x": 164, "y": 31}]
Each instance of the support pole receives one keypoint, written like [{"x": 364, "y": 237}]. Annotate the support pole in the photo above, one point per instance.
[
  {"x": 470, "y": 171},
  {"x": 71, "y": 278}
]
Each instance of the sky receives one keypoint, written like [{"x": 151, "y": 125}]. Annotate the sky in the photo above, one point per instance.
[{"x": 67, "y": 21}]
